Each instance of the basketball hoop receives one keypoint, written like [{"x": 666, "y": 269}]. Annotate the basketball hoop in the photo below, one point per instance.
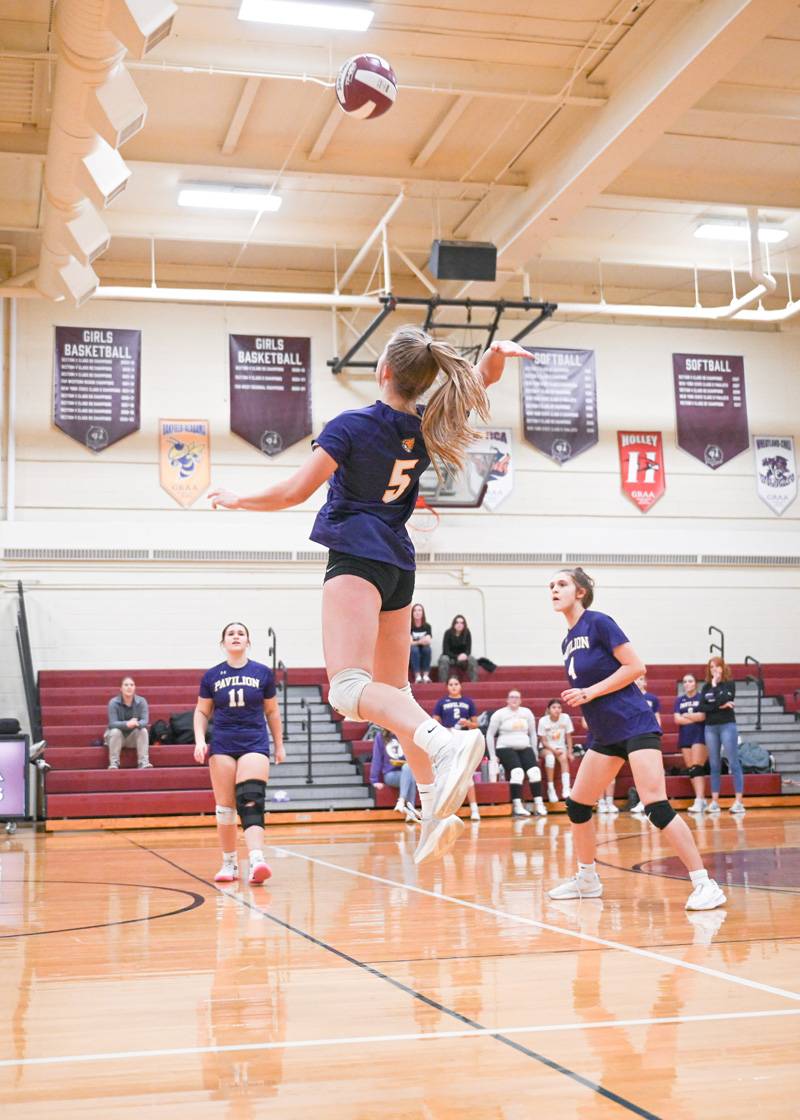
[{"x": 423, "y": 522}]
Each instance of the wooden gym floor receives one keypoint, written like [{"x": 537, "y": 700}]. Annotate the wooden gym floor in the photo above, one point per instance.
[{"x": 357, "y": 986}]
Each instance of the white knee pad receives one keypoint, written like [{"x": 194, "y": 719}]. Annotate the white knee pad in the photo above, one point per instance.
[
  {"x": 517, "y": 776},
  {"x": 225, "y": 815},
  {"x": 345, "y": 691},
  {"x": 550, "y": 762},
  {"x": 534, "y": 774}
]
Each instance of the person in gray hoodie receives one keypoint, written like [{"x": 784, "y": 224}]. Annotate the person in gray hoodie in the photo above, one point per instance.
[{"x": 128, "y": 717}]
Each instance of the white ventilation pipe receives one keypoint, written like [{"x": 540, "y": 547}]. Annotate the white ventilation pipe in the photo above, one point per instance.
[{"x": 764, "y": 283}]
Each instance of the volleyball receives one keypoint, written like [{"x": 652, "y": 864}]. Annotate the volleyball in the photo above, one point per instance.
[{"x": 366, "y": 86}]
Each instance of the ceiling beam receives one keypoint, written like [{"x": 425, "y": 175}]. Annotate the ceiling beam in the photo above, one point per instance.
[
  {"x": 752, "y": 101},
  {"x": 240, "y": 115},
  {"x": 701, "y": 49},
  {"x": 441, "y": 130},
  {"x": 325, "y": 134}
]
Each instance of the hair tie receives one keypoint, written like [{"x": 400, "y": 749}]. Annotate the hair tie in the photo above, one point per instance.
[{"x": 428, "y": 345}]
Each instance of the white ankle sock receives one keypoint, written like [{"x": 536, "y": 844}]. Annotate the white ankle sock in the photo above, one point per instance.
[
  {"x": 698, "y": 876},
  {"x": 256, "y": 856},
  {"x": 426, "y": 798},
  {"x": 229, "y": 857},
  {"x": 431, "y": 737},
  {"x": 587, "y": 868}
]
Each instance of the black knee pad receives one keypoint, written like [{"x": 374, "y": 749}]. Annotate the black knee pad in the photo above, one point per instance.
[
  {"x": 577, "y": 812},
  {"x": 660, "y": 813},
  {"x": 251, "y": 797},
  {"x": 696, "y": 772}
]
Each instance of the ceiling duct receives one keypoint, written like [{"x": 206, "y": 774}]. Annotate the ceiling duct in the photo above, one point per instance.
[{"x": 96, "y": 107}]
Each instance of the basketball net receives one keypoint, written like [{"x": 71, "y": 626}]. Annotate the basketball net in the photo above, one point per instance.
[{"x": 423, "y": 523}]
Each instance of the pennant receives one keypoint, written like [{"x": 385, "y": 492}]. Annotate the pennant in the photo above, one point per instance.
[
  {"x": 184, "y": 459},
  {"x": 776, "y": 471},
  {"x": 641, "y": 463}
]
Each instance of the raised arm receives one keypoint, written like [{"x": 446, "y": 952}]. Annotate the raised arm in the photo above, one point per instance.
[
  {"x": 316, "y": 470},
  {"x": 493, "y": 360}
]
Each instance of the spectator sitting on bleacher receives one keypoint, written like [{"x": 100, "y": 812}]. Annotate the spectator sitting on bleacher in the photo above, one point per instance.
[
  {"x": 420, "y": 644},
  {"x": 389, "y": 768},
  {"x": 457, "y": 650},
  {"x": 514, "y": 728},
  {"x": 128, "y": 717},
  {"x": 457, "y": 710}
]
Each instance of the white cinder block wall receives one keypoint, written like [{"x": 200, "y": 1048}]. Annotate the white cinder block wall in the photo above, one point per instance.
[{"x": 147, "y": 614}]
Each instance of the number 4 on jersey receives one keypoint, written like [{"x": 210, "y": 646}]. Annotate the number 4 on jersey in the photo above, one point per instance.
[
  {"x": 399, "y": 480},
  {"x": 571, "y": 668}
]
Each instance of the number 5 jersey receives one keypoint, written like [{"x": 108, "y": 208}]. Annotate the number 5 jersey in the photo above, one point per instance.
[
  {"x": 380, "y": 455},
  {"x": 239, "y": 695}
]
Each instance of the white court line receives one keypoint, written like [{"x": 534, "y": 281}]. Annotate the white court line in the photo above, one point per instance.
[
  {"x": 650, "y": 954},
  {"x": 360, "y": 1040}
]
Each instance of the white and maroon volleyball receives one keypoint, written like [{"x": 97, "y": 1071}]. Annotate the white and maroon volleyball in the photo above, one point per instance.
[{"x": 366, "y": 86}]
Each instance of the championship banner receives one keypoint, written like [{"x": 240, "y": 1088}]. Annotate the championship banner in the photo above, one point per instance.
[
  {"x": 776, "y": 471},
  {"x": 270, "y": 390},
  {"x": 497, "y": 443},
  {"x": 710, "y": 407},
  {"x": 184, "y": 457},
  {"x": 559, "y": 402},
  {"x": 641, "y": 463},
  {"x": 96, "y": 384}
]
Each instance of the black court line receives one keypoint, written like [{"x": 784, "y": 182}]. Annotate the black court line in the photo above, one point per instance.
[
  {"x": 623, "y": 1102},
  {"x": 196, "y": 900}
]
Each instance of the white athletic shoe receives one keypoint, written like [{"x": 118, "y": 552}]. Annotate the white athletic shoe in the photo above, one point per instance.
[
  {"x": 611, "y": 808},
  {"x": 579, "y": 886},
  {"x": 707, "y": 895},
  {"x": 518, "y": 809},
  {"x": 539, "y": 807},
  {"x": 454, "y": 766},
  {"x": 737, "y": 807},
  {"x": 602, "y": 805},
  {"x": 412, "y": 814},
  {"x": 437, "y": 837},
  {"x": 426, "y": 679},
  {"x": 552, "y": 796},
  {"x": 638, "y": 810},
  {"x": 564, "y": 791},
  {"x": 474, "y": 813},
  {"x": 697, "y": 806},
  {"x": 714, "y": 807},
  {"x": 418, "y": 678},
  {"x": 228, "y": 873},
  {"x": 260, "y": 872}
]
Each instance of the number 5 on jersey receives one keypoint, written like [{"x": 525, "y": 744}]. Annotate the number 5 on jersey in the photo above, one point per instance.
[{"x": 399, "y": 480}]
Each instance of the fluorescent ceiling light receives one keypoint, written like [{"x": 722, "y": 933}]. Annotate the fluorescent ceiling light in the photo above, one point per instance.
[
  {"x": 298, "y": 13},
  {"x": 217, "y": 196},
  {"x": 739, "y": 231}
]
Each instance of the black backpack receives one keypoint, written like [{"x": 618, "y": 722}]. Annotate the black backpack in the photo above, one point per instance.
[{"x": 160, "y": 732}]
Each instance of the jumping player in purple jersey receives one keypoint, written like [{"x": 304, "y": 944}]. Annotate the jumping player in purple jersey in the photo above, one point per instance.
[
  {"x": 373, "y": 458},
  {"x": 241, "y": 694},
  {"x": 602, "y": 667}
]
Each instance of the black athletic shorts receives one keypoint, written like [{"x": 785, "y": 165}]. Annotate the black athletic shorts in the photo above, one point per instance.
[
  {"x": 649, "y": 742},
  {"x": 513, "y": 757},
  {"x": 395, "y": 585}
]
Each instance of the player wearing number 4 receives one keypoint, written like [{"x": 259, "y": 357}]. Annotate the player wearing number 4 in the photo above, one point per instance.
[
  {"x": 241, "y": 694},
  {"x": 602, "y": 667},
  {"x": 373, "y": 458}
]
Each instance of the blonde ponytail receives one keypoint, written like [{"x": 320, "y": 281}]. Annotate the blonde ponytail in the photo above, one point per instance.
[{"x": 415, "y": 359}]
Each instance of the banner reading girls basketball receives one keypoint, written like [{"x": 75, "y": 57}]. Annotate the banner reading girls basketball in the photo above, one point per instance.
[
  {"x": 184, "y": 459},
  {"x": 270, "y": 390},
  {"x": 96, "y": 384},
  {"x": 641, "y": 462},
  {"x": 559, "y": 402},
  {"x": 776, "y": 471},
  {"x": 711, "y": 407}
]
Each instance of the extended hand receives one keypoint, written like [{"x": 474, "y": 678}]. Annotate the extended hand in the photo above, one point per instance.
[
  {"x": 223, "y": 499},
  {"x": 492, "y": 363},
  {"x": 574, "y": 697}
]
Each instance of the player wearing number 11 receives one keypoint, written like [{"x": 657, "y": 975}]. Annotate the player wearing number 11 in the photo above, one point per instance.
[{"x": 373, "y": 458}]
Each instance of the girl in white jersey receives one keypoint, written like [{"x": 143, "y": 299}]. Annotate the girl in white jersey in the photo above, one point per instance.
[
  {"x": 555, "y": 741},
  {"x": 513, "y": 730}
]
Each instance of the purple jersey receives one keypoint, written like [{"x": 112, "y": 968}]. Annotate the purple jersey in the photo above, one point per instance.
[
  {"x": 451, "y": 711},
  {"x": 380, "y": 455},
  {"x": 588, "y": 651},
  {"x": 689, "y": 733},
  {"x": 239, "y": 695},
  {"x": 653, "y": 702}
]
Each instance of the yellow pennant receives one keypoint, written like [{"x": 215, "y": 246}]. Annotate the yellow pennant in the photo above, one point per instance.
[{"x": 184, "y": 458}]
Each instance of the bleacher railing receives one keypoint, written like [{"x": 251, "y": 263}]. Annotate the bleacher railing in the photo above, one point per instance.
[
  {"x": 718, "y": 647},
  {"x": 272, "y": 652},
  {"x": 757, "y": 679},
  {"x": 284, "y": 686},
  {"x": 29, "y": 681},
  {"x": 306, "y": 725}
]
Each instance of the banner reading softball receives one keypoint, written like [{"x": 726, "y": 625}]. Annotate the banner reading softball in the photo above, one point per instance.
[
  {"x": 710, "y": 406},
  {"x": 184, "y": 459},
  {"x": 270, "y": 390},
  {"x": 776, "y": 471},
  {"x": 641, "y": 462},
  {"x": 559, "y": 402},
  {"x": 497, "y": 442}
]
